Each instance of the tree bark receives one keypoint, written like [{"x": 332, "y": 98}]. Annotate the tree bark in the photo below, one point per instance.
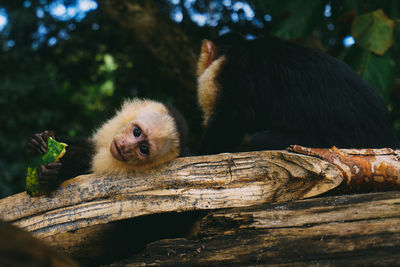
[
  {"x": 77, "y": 218},
  {"x": 192, "y": 183},
  {"x": 358, "y": 230},
  {"x": 362, "y": 168}
]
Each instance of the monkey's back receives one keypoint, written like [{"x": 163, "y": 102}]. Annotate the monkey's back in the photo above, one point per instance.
[{"x": 279, "y": 86}]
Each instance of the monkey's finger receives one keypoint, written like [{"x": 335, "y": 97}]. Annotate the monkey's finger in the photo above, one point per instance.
[
  {"x": 48, "y": 133},
  {"x": 40, "y": 169},
  {"x": 50, "y": 172},
  {"x": 49, "y": 169},
  {"x": 54, "y": 165},
  {"x": 47, "y": 178},
  {"x": 32, "y": 144},
  {"x": 44, "y": 172},
  {"x": 49, "y": 182},
  {"x": 39, "y": 138},
  {"x": 35, "y": 146}
]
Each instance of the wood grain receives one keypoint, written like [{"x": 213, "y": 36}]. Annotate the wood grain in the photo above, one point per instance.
[
  {"x": 192, "y": 183},
  {"x": 357, "y": 230}
]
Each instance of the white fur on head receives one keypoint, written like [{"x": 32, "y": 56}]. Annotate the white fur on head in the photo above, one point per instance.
[{"x": 104, "y": 162}]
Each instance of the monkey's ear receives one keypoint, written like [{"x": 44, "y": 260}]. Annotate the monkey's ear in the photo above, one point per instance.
[{"x": 206, "y": 57}]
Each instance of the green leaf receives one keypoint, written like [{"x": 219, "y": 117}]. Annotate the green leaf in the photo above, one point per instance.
[
  {"x": 109, "y": 64},
  {"x": 373, "y": 31},
  {"x": 378, "y": 71},
  {"x": 55, "y": 151}
]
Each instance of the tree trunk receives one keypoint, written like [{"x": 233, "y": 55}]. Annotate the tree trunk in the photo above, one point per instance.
[{"x": 165, "y": 40}]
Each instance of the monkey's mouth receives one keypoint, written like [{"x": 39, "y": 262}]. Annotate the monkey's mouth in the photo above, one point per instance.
[{"x": 116, "y": 152}]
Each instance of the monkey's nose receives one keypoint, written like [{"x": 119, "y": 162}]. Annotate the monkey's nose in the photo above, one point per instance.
[{"x": 122, "y": 145}]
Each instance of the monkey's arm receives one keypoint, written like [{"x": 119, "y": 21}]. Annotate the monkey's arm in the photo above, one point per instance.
[
  {"x": 222, "y": 134},
  {"x": 76, "y": 161},
  {"x": 78, "y": 157}
]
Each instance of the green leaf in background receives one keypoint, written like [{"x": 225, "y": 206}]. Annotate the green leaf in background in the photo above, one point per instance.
[
  {"x": 373, "y": 31},
  {"x": 300, "y": 17},
  {"x": 378, "y": 71}
]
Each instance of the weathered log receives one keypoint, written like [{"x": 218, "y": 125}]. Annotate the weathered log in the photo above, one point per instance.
[
  {"x": 357, "y": 230},
  {"x": 76, "y": 218},
  {"x": 192, "y": 183}
]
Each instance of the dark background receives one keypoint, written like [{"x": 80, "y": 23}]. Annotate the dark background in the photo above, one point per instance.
[{"x": 67, "y": 65}]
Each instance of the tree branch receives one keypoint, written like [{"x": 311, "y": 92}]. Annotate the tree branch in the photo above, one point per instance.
[{"x": 192, "y": 183}]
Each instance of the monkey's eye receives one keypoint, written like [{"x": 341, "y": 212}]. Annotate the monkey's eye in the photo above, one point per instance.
[
  {"x": 144, "y": 149},
  {"x": 137, "y": 132}
]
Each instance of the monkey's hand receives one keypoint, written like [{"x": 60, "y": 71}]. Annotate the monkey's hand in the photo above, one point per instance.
[
  {"x": 37, "y": 144},
  {"x": 48, "y": 175}
]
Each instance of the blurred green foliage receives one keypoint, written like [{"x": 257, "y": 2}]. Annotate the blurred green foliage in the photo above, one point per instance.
[
  {"x": 69, "y": 87},
  {"x": 73, "y": 82}
]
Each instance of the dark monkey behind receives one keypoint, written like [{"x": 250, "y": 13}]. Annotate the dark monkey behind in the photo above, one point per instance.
[{"x": 281, "y": 94}]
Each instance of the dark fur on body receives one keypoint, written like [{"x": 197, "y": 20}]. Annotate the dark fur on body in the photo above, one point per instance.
[{"x": 282, "y": 94}]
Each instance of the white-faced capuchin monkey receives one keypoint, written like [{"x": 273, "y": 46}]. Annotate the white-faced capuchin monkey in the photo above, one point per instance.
[
  {"x": 280, "y": 94},
  {"x": 143, "y": 134}
]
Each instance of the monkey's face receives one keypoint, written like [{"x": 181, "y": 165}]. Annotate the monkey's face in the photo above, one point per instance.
[{"x": 142, "y": 140}]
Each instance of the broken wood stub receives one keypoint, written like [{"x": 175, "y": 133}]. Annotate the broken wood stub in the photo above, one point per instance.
[{"x": 368, "y": 169}]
